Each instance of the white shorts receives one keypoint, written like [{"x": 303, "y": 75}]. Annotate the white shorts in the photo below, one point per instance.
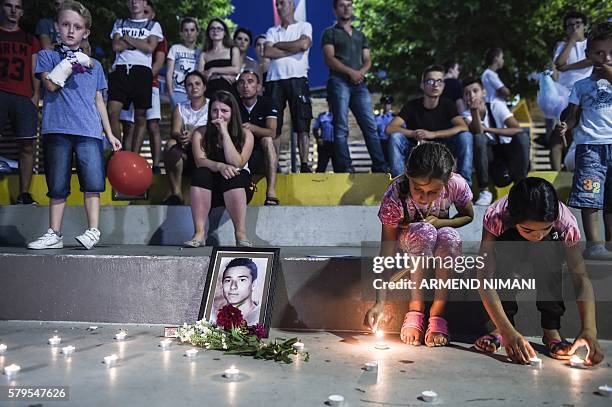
[{"x": 152, "y": 114}]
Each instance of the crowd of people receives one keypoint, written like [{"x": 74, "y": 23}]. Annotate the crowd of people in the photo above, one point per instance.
[
  {"x": 218, "y": 149},
  {"x": 227, "y": 117}
]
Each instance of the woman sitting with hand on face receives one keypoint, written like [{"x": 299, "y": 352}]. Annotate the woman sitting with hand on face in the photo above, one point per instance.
[{"x": 222, "y": 177}]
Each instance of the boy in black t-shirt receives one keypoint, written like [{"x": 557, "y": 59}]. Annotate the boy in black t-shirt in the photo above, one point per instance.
[{"x": 430, "y": 118}]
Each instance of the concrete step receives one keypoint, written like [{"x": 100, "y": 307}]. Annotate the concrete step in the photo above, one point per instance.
[
  {"x": 315, "y": 289},
  {"x": 330, "y": 226}
]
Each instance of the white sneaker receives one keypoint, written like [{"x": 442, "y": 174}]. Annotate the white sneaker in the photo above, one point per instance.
[
  {"x": 89, "y": 239},
  {"x": 484, "y": 198},
  {"x": 49, "y": 240}
]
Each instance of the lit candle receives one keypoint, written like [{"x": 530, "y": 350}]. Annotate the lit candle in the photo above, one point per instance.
[
  {"x": 429, "y": 396},
  {"x": 380, "y": 343},
  {"x": 232, "y": 373},
  {"x": 68, "y": 350},
  {"x": 110, "y": 360},
  {"x": 576, "y": 361},
  {"x": 335, "y": 400},
  {"x": 11, "y": 370},
  {"x": 165, "y": 344},
  {"x": 371, "y": 366},
  {"x": 535, "y": 361},
  {"x": 120, "y": 335},
  {"x": 191, "y": 353},
  {"x": 55, "y": 340},
  {"x": 299, "y": 346},
  {"x": 605, "y": 390},
  {"x": 3, "y": 348}
]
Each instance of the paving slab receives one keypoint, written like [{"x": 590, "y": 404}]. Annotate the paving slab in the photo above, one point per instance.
[{"x": 145, "y": 375}]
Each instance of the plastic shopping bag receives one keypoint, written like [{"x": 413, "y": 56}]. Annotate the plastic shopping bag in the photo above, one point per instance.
[{"x": 552, "y": 97}]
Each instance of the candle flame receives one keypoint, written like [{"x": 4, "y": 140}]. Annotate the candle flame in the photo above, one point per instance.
[{"x": 379, "y": 334}]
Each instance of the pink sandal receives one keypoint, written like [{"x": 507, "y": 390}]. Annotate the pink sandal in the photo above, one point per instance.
[
  {"x": 437, "y": 325},
  {"x": 412, "y": 320}
]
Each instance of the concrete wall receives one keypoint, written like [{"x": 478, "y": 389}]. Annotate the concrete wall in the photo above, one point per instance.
[
  {"x": 134, "y": 284},
  {"x": 171, "y": 225}
]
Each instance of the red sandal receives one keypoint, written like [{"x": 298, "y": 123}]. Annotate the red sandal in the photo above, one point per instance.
[
  {"x": 437, "y": 325},
  {"x": 495, "y": 340},
  {"x": 555, "y": 345},
  {"x": 412, "y": 320}
]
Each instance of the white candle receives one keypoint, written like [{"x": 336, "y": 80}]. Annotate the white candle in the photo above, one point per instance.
[
  {"x": 191, "y": 353},
  {"x": 232, "y": 373},
  {"x": 429, "y": 396},
  {"x": 371, "y": 366},
  {"x": 3, "y": 348},
  {"x": 335, "y": 400},
  {"x": 165, "y": 344},
  {"x": 110, "y": 360},
  {"x": 68, "y": 350},
  {"x": 380, "y": 343},
  {"x": 12, "y": 370},
  {"x": 298, "y": 346},
  {"x": 535, "y": 361},
  {"x": 55, "y": 340},
  {"x": 605, "y": 390},
  {"x": 576, "y": 361},
  {"x": 120, "y": 335}
]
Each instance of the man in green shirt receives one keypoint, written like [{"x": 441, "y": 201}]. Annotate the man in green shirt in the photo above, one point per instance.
[{"x": 347, "y": 55}]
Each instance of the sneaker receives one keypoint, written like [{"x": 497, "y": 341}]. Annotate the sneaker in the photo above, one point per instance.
[
  {"x": 156, "y": 169},
  {"x": 304, "y": 168},
  {"x": 597, "y": 252},
  {"x": 25, "y": 199},
  {"x": 5, "y": 168},
  {"x": 484, "y": 198},
  {"x": 89, "y": 239},
  {"x": 49, "y": 240}
]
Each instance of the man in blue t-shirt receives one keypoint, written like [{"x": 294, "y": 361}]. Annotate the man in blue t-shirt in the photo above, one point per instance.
[
  {"x": 45, "y": 28},
  {"x": 323, "y": 131},
  {"x": 382, "y": 121}
]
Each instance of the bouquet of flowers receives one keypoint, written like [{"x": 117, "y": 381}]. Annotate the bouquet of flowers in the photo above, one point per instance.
[{"x": 232, "y": 335}]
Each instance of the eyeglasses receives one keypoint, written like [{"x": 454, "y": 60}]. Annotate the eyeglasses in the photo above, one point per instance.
[
  {"x": 434, "y": 82},
  {"x": 572, "y": 25},
  {"x": 216, "y": 29}
]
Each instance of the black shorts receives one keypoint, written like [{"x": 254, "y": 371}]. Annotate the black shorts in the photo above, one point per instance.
[
  {"x": 21, "y": 113},
  {"x": 131, "y": 85},
  {"x": 204, "y": 178},
  {"x": 296, "y": 92},
  {"x": 257, "y": 162}
]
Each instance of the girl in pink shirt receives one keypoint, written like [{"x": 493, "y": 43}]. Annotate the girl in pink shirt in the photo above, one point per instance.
[
  {"x": 415, "y": 219},
  {"x": 532, "y": 229}
]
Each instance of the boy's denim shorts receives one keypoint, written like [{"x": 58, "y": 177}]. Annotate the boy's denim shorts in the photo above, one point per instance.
[
  {"x": 89, "y": 162},
  {"x": 592, "y": 186}
]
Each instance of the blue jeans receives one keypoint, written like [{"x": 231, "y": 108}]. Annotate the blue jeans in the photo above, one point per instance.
[
  {"x": 343, "y": 95},
  {"x": 461, "y": 145},
  {"x": 58, "y": 150},
  {"x": 592, "y": 185}
]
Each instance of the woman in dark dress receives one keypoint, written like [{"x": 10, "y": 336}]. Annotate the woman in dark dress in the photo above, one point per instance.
[
  {"x": 221, "y": 151},
  {"x": 220, "y": 60}
]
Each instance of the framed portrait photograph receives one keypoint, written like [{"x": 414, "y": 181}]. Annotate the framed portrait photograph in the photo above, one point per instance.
[{"x": 243, "y": 277}]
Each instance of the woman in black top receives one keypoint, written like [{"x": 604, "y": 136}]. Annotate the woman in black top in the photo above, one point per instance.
[
  {"x": 219, "y": 61},
  {"x": 221, "y": 151}
]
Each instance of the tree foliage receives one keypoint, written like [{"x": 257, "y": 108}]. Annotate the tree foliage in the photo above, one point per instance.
[
  {"x": 408, "y": 35},
  {"x": 105, "y": 12}
]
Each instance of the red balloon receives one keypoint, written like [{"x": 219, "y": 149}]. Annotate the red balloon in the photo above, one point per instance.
[{"x": 129, "y": 173}]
